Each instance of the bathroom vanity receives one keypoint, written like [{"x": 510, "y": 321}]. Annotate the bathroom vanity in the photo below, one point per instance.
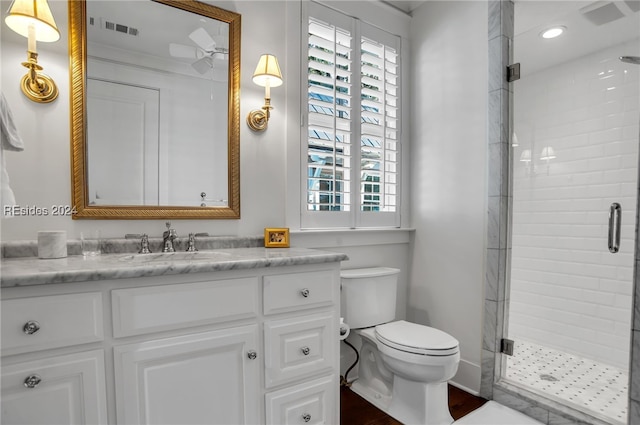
[{"x": 232, "y": 336}]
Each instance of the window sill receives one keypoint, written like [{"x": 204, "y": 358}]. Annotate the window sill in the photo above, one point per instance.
[{"x": 331, "y": 238}]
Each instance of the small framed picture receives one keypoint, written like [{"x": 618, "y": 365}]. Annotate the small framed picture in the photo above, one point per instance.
[{"x": 276, "y": 237}]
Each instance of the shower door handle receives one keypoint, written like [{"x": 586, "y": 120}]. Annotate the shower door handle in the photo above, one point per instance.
[{"x": 615, "y": 218}]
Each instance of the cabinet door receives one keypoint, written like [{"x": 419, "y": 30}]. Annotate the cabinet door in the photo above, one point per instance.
[
  {"x": 204, "y": 378},
  {"x": 55, "y": 390}
]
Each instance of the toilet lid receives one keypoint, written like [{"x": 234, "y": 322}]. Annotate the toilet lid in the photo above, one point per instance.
[{"x": 417, "y": 339}]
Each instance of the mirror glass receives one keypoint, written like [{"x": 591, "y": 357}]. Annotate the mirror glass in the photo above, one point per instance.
[{"x": 155, "y": 109}]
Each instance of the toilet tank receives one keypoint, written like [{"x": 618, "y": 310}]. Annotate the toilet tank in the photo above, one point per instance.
[{"x": 368, "y": 296}]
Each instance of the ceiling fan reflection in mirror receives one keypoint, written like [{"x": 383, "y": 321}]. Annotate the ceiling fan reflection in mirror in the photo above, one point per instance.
[{"x": 210, "y": 53}]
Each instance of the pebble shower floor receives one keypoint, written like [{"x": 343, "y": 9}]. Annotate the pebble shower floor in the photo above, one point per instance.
[{"x": 584, "y": 383}]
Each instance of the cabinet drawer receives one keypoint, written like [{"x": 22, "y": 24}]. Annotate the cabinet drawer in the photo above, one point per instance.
[
  {"x": 298, "y": 347},
  {"x": 66, "y": 389},
  {"x": 157, "y": 308},
  {"x": 39, "y": 323},
  {"x": 308, "y": 403},
  {"x": 297, "y": 291}
]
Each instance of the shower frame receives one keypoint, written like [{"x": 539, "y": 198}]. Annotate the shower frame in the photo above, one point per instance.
[{"x": 498, "y": 250}]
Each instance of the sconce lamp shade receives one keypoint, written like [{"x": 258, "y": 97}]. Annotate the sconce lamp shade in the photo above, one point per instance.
[
  {"x": 268, "y": 71},
  {"x": 514, "y": 140},
  {"x": 525, "y": 156},
  {"x": 24, "y": 13},
  {"x": 547, "y": 153}
]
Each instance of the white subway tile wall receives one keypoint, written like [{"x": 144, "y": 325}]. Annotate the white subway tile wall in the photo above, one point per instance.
[{"x": 568, "y": 291}]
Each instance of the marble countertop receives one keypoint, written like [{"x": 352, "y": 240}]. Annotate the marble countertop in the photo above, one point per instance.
[{"x": 27, "y": 271}]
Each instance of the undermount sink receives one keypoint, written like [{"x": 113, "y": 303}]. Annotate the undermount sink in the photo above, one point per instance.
[{"x": 175, "y": 256}]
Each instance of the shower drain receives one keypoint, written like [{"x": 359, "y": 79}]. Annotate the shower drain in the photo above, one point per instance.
[{"x": 547, "y": 377}]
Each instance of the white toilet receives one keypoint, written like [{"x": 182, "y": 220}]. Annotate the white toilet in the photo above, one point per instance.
[{"x": 404, "y": 367}]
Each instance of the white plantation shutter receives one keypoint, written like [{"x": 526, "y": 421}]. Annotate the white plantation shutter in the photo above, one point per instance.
[
  {"x": 379, "y": 124},
  {"x": 352, "y": 125},
  {"x": 329, "y": 118}
]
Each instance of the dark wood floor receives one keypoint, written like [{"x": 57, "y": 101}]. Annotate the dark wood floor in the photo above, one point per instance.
[{"x": 354, "y": 410}]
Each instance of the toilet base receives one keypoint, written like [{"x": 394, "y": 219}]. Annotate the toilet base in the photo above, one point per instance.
[
  {"x": 378, "y": 399},
  {"x": 420, "y": 403},
  {"x": 412, "y": 403}
]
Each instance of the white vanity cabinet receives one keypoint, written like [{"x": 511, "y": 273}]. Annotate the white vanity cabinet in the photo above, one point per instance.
[
  {"x": 232, "y": 347},
  {"x": 52, "y": 388}
]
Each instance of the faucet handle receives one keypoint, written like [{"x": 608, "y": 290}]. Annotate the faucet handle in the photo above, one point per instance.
[
  {"x": 191, "y": 244},
  {"x": 144, "y": 245},
  {"x": 168, "y": 224}
]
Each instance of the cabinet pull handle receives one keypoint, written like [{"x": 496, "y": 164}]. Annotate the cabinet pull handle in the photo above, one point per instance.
[
  {"x": 252, "y": 355},
  {"x": 32, "y": 381},
  {"x": 31, "y": 327},
  {"x": 305, "y": 292},
  {"x": 306, "y": 417},
  {"x": 305, "y": 350}
]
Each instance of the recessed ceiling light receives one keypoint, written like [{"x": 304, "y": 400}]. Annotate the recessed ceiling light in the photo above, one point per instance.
[{"x": 552, "y": 32}]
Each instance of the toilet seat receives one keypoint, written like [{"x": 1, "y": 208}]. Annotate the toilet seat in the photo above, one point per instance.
[{"x": 416, "y": 339}]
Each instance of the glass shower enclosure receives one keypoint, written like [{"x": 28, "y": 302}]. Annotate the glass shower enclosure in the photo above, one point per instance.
[{"x": 574, "y": 189}]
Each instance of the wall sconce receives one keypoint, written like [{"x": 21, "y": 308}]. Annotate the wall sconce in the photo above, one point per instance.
[
  {"x": 547, "y": 154},
  {"x": 525, "y": 157},
  {"x": 33, "y": 19},
  {"x": 267, "y": 75}
]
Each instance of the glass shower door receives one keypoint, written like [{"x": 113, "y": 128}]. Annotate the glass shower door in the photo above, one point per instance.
[{"x": 575, "y": 157}]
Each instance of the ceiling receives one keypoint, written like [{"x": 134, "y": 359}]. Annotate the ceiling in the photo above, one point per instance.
[
  {"x": 531, "y": 16},
  {"x": 590, "y": 27},
  {"x": 405, "y": 5},
  {"x": 582, "y": 35}
]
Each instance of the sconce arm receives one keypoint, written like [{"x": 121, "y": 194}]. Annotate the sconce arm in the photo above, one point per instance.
[
  {"x": 35, "y": 85},
  {"x": 258, "y": 119}
]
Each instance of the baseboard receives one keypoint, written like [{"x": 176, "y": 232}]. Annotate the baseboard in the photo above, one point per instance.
[{"x": 468, "y": 377}]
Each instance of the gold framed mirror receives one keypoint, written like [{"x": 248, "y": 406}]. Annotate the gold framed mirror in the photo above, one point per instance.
[{"x": 143, "y": 145}]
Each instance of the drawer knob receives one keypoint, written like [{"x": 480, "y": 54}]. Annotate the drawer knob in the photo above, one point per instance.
[
  {"x": 31, "y": 327},
  {"x": 252, "y": 355},
  {"x": 305, "y": 292},
  {"x": 306, "y": 417},
  {"x": 305, "y": 350},
  {"x": 32, "y": 381}
]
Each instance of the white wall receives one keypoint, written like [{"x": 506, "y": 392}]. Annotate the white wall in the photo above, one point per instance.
[
  {"x": 567, "y": 291},
  {"x": 448, "y": 174}
]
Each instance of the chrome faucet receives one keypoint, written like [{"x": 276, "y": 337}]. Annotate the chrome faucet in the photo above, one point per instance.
[{"x": 167, "y": 238}]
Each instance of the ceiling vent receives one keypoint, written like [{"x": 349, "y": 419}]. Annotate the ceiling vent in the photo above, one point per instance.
[
  {"x": 112, "y": 26},
  {"x": 601, "y": 12},
  {"x": 633, "y": 5}
]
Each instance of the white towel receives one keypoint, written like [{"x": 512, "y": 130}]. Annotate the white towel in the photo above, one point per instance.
[{"x": 10, "y": 141}]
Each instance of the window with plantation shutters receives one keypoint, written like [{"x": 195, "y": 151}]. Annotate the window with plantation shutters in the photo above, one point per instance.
[{"x": 352, "y": 126}]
